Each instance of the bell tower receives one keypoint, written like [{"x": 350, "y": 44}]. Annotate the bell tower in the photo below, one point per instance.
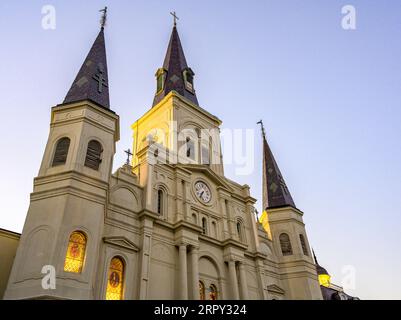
[
  {"x": 176, "y": 129},
  {"x": 283, "y": 222},
  {"x": 65, "y": 220}
]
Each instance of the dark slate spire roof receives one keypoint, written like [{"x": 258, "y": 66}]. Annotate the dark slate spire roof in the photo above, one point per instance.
[
  {"x": 91, "y": 82},
  {"x": 174, "y": 64},
  {"x": 275, "y": 191}
]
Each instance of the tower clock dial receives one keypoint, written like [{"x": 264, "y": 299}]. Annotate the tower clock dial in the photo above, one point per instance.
[{"x": 202, "y": 191}]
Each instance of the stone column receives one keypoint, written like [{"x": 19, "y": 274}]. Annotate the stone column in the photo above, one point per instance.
[
  {"x": 147, "y": 229},
  {"x": 183, "y": 281},
  {"x": 242, "y": 279},
  {"x": 195, "y": 273},
  {"x": 233, "y": 279}
]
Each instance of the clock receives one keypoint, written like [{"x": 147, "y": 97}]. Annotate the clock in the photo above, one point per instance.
[{"x": 202, "y": 191}]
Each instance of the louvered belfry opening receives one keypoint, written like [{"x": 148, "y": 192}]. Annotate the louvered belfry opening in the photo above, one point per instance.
[
  {"x": 60, "y": 155},
  {"x": 93, "y": 155}
]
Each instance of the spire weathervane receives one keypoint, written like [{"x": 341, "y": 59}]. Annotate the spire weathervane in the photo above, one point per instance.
[
  {"x": 263, "y": 128},
  {"x": 103, "y": 19},
  {"x": 175, "y": 18}
]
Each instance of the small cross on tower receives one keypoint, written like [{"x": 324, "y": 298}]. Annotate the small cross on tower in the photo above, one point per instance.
[
  {"x": 175, "y": 18},
  {"x": 129, "y": 154},
  {"x": 100, "y": 79}
]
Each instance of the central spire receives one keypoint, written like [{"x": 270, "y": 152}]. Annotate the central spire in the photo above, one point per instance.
[{"x": 175, "y": 75}]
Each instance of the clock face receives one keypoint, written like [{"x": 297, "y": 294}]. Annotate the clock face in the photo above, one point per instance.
[{"x": 202, "y": 191}]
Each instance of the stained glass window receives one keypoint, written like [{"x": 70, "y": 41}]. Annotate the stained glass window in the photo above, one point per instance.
[
  {"x": 74, "y": 259},
  {"x": 115, "y": 280},
  {"x": 212, "y": 292},
  {"x": 201, "y": 291}
]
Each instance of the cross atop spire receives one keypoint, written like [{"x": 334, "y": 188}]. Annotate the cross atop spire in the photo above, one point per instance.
[
  {"x": 175, "y": 18},
  {"x": 262, "y": 127},
  {"x": 103, "y": 19}
]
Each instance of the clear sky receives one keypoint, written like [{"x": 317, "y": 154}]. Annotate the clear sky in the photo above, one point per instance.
[{"x": 330, "y": 99}]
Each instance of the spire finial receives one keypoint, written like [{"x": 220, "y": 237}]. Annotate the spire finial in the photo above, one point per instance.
[
  {"x": 103, "y": 19},
  {"x": 175, "y": 18},
  {"x": 262, "y": 127}
]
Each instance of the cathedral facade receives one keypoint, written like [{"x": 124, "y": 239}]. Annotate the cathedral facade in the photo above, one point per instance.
[{"x": 166, "y": 225}]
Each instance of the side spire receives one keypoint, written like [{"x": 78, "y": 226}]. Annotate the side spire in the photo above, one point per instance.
[
  {"x": 275, "y": 191},
  {"x": 91, "y": 82},
  {"x": 175, "y": 73}
]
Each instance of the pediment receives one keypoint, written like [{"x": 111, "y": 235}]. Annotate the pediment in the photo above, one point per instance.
[
  {"x": 121, "y": 242},
  {"x": 210, "y": 174},
  {"x": 275, "y": 289}
]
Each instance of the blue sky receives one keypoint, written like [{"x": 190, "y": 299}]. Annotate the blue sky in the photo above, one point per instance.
[{"x": 330, "y": 99}]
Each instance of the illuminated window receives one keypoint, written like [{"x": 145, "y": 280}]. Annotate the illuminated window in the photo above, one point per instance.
[
  {"x": 201, "y": 291},
  {"x": 212, "y": 292},
  {"x": 60, "y": 155},
  {"x": 74, "y": 259},
  {"x": 115, "y": 280},
  {"x": 303, "y": 245},
  {"x": 285, "y": 244},
  {"x": 93, "y": 155}
]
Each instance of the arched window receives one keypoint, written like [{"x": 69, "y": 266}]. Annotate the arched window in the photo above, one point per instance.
[
  {"x": 93, "y": 155},
  {"x": 194, "y": 219},
  {"x": 75, "y": 256},
  {"x": 160, "y": 199},
  {"x": 201, "y": 291},
  {"x": 204, "y": 226},
  {"x": 60, "y": 155},
  {"x": 212, "y": 292},
  {"x": 303, "y": 245},
  {"x": 285, "y": 244},
  {"x": 115, "y": 280},
  {"x": 190, "y": 153},
  {"x": 239, "y": 230}
]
